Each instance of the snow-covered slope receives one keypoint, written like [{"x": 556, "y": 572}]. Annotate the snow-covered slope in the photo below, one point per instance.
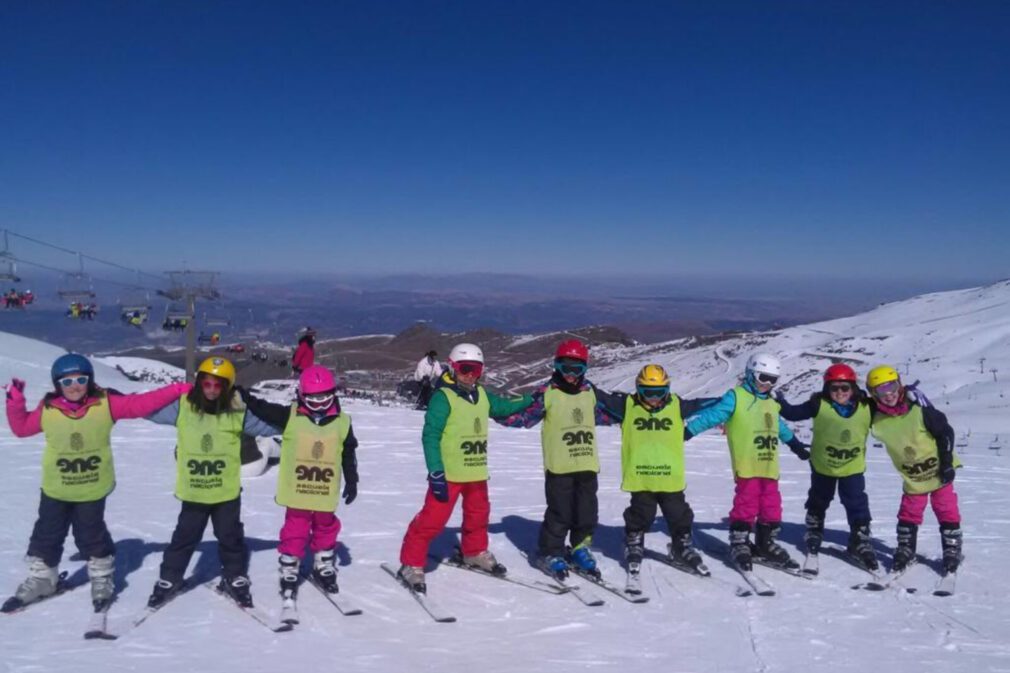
[{"x": 689, "y": 624}]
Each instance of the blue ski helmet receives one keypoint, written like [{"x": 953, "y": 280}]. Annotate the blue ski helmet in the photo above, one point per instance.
[{"x": 70, "y": 364}]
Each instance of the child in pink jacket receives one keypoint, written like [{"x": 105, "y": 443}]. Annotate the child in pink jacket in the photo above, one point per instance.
[{"x": 77, "y": 472}]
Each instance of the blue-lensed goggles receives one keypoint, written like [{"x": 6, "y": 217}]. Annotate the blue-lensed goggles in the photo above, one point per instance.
[
  {"x": 653, "y": 392},
  {"x": 571, "y": 368}
]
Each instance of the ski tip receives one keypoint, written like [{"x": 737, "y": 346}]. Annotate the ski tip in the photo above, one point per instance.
[
  {"x": 100, "y": 635},
  {"x": 283, "y": 628}
]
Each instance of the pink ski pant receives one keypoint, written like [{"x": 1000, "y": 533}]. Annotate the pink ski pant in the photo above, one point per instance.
[
  {"x": 756, "y": 498},
  {"x": 943, "y": 499},
  {"x": 301, "y": 526}
]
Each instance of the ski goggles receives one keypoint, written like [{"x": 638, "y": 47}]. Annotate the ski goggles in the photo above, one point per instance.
[
  {"x": 886, "y": 388},
  {"x": 467, "y": 368},
  {"x": 209, "y": 383},
  {"x": 68, "y": 381},
  {"x": 761, "y": 377},
  {"x": 653, "y": 392},
  {"x": 570, "y": 367},
  {"x": 318, "y": 401},
  {"x": 840, "y": 388}
]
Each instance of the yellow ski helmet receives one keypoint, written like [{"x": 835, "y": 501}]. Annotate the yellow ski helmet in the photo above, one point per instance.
[
  {"x": 218, "y": 367},
  {"x": 652, "y": 376},
  {"x": 880, "y": 375}
]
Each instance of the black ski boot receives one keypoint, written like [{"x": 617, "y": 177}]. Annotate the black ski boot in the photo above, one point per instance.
[
  {"x": 288, "y": 569},
  {"x": 682, "y": 552},
  {"x": 634, "y": 550},
  {"x": 164, "y": 591},
  {"x": 861, "y": 547},
  {"x": 815, "y": 532},
  {"x": 766, "y": 548},
  {"x": 950, "y": 538},
  {"x": 237, "y": 588},
  {"x": 739, "y": 545},
  {"x": 904, "y": 554},
  {"x": 324, "y": 571}
]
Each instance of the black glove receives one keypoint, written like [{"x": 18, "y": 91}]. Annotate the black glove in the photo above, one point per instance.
[
  {"x": 799, "y": 448},
  {"x": 350, "y": 492},
  {"x": 439, "y": 486},
  {"x": 946, "y": 467}
]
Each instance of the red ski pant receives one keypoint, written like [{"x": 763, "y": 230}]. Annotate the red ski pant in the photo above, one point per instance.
[
  {"x": 943, "y": 499},
  {"x": 756, "y": 498},
  {"x": 431, "y": 520},
  {"x": 301, "y": 526}
]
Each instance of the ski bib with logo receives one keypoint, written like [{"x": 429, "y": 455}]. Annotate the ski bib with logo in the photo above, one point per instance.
[
  {"x": 464, "y": 439},
  {"x": 568, "y": 434},
  {"x": 77, "y": 459},
  {"x": 652, "y": 448},
  {"x": 208, "y": 455},
  {"x": 838, "y": 448},
  {"x": 912, "y": 450},
  {"x": 311, "y": 455},
  {"x": 753, "y": 435}
]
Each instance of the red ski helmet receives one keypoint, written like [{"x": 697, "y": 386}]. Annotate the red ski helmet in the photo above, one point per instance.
[
  {"x": 315, "y": 380},
  {"x": 840, "y": 372},
  {"x": 572, "y": 348}
]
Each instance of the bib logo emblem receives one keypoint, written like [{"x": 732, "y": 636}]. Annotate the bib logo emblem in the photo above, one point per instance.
[
  {"x": 909, "y": 453},
  {"x": 77, "y": 441},
  {"x": 207, "y": 443},
  {"x": 577, "y": 416},
  {"x": 476, "y": 426},
  {"x": 846, "y": 436},
  {"x": 317, "y": 450},
  {"x": 769, "y": 421}
]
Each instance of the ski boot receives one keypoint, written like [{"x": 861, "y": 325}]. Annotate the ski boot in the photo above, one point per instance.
[
  {"x": 861, "y": 547},
  {"x": 584, "y": 561},
  {"x": 164, "y": 591},
  {"x": 634, "y": 550},
  {"x": 904, "y": 554},
  {"x": 413, "y": 577},
  {"x": 555, "y": 566},
  {"x": 487, "y": 562},
  {"x": 288, "y": 569},
  {"x": 103, "y": 584},
  {"x": 42, "y": 582},
  {"x": 739, "y": 545},
  {"x": 770, "y": 551},
  {"x": 950, "y": 538},
  {"x": 683, "y": 553},
  {"x": 815, "y": 532},
  {"x": 237, "y": 588},
  {"x": 324, "y": 571}
]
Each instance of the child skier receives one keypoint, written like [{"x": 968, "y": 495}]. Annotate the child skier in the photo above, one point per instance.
[
  {"x": 837, "y": 457},
  {"x": 318, "y": 443},
  {"x": 455, "y": 452},
  {"x": 920, "y": 442},
  {"x": 753, "y": 430},
  {"x": 210, "y": 421},
  {"x": 570, "y": 409},
  {"x": 77, "y": 472}
]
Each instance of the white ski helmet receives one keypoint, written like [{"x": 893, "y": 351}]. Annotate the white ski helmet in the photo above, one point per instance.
[
  {"x": 466, "y": 353},
  {"x": 764, "y": 363}
]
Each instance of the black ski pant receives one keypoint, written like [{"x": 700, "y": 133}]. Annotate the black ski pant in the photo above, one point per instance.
[
  {"x": 641, "y": 512},
  {"x": 851, "y": 491},
  {"x": 228, "y": 529},
  {"x": 424, "y": 394},
  {"x": 57, "y": 517},
  {"x": 572, "y": 510}
]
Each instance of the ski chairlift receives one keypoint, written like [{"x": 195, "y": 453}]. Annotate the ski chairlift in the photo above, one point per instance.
[
  {"x": 135, "y": 308},
  {"x": 216, "y": 320},
  {"x": 8, "y": 268},
  {"x": 76, "y": 286},
  {"x": 177, "y": 318}
]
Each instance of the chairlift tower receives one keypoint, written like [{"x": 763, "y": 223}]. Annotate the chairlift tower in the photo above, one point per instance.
[{"x": 186, "y": 287}]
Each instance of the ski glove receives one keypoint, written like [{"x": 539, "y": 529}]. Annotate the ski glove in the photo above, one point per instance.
[
  {"x": 946, "y": 466},
  {"x": 799, "y": 448},
  {"x": 16, "y": 390},
  {"x": 439, "y": 486},
  {"x": 350, "y": 491}
]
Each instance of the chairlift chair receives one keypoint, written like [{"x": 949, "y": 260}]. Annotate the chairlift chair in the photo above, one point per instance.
[
  {"x": 76, "y": 287},
  {"x": 8, "y": 268}
]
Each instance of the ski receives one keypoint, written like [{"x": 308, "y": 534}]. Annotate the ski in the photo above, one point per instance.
[
  {"x": 455, "y": 561},
  {"x": 795, "y": 572},
  {"x": 253, "y": 612},
  {"x": 946, "y": 584},
  {"x": 98, "y": 626},
  {"x": 758, "y": 585},
  {"x": 587, "y": 598},
  {"x": 883, "y": 582},
  {"x": 701, "y": 571},
  {"x": 338, "y": 600},
  {"x": 12, "y": 605},
  {"x": 633, "y": 584},
  {"x": 148, "y": 611},
  {"x": 289, "y": 608},
  {"x": 811, "y": 565},
  {"x": 607, "y": 586},
  {"x": 433, "y": 610}
]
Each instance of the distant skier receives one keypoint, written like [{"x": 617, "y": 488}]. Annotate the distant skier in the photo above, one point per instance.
[
  {"x": 318, "y": 438},
  {"x": 570, "y": 409},
  {"x": 753, "y": 430},
  {"x": 210, "y": 421},
  {"x": 920, "y": 442},
  {"x": 77, "y": 419},
  {"x": 428, "y": 370},
  {"x": 455, "y": 452},
  {"x": 841, "y": 415},
  {"x": 305, "y": 352}
]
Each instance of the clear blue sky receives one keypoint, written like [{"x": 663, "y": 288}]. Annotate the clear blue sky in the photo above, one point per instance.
[{"x": 703, "y": 137}]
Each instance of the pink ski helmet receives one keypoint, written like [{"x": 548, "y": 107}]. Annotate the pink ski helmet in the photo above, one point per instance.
[{"x": 315, "y": 380}]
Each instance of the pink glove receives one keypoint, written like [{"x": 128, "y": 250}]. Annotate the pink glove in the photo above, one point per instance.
[
  {"x": 183, "y": 388},
  {"x": 16, "y": 391}
]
